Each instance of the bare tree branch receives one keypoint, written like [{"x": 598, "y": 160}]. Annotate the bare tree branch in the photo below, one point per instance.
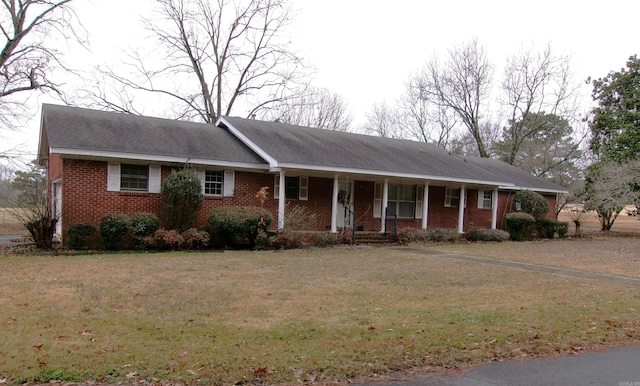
[{"x": 216, "y": 57}]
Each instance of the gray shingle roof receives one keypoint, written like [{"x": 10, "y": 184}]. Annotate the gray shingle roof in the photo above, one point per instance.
[
  {"x": 73, "y": 130},
  {"x": 68, "y": 129},
  {"x": 295, "y": 145}
]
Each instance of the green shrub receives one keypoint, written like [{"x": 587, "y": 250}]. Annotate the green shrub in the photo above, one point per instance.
[
  {"x": 532, "y": 203},
  {"x": 113, "y": 228},
  {"x": 77, "y": 233},
  {"x": 143, "y": 225},
  {"x": 235, "y": 226},
  {"x": 548, "y": 229},
  {"x": 520, "y": 225},
  {"x": 481, "y": 234},
  {"x": 181, "y": 199}
]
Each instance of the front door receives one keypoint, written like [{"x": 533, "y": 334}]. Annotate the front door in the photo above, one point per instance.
[
  {"x": 57, "y": 206},
  {"x": 345, "y": 204}
]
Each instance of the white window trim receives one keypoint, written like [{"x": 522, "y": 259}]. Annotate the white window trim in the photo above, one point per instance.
[
  {"x": 114, "y": 172},
  {"x": 303, "y": 188},
  {"x": 447, "y": 197},
  {"x": 228, "y": 182},
  {"x": 481, "y": 199}
]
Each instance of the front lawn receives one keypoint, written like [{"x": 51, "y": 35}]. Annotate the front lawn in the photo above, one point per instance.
[{"x": 301, "y": 315}]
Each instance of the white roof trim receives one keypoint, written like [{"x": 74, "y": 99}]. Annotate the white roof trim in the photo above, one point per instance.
[
  {"x": 395, "y": 174},
  {"x": 155, "y": 158},
  {"x": 252, "y": 145},
  {"x": 513, "y": 187}
]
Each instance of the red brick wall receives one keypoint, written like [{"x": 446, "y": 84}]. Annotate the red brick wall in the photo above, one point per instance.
[{"x": 86, "y": 199}]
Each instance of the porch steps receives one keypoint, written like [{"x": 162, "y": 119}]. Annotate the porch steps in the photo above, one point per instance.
[{"x": 362, "y": 237}]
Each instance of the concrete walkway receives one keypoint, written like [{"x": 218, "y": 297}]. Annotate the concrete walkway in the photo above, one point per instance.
[{"x": 614, "y": 279}]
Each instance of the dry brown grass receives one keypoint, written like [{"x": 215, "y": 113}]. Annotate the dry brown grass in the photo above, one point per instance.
[
  {"x": 9, "y": 225},
  {"x": 323, "y": 315}
]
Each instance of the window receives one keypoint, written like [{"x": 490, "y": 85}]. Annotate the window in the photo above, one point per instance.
[
  {"x": 217, "y": 182},
  {"x": 295, "y": 188},
  {"x": 485, "y": 199},
  {"x": 403, "y": 200},
  {"x": 291, "y": 188},
  {"x": 213, "y": 183},
  {"x": 451, "y": 197},
  {"x": 134, "y": 178}
]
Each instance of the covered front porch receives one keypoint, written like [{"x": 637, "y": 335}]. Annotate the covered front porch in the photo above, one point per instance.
[{"x": 372, "y": 203}]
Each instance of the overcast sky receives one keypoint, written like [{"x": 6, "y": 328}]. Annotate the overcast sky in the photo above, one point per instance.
[{"x": 364, "y": 50}]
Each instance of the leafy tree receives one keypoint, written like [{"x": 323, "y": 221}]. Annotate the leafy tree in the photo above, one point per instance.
[
  {"x": 209, "y": 57},
  {"x": 549, "y": 151},
  {"x": 532, "y": 203},
  {"x": 615, "y": 125},
  {"x": 182, "y": 198},
  {"x": 30, "y": 206}
]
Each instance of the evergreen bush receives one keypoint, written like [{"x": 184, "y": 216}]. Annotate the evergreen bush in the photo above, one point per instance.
[
  {"x": 77, "y": 233},
  {"x": 238, "y": 225},
  {"x": 143, "y": 224},
  {"x": 520, "y": 225},
  {"x": 482, "y": 234},
  {"x": 113, "y": 228},
  {"x": 532, "y": 203},
  {"x": 181, "y": 199}
]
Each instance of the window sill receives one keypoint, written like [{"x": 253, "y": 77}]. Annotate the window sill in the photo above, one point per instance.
[
  {"x": 213, "y": 197},
  {"x": 137, "y": 194}
]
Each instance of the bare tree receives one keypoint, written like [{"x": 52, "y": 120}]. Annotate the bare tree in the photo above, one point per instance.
[
  {"x": 462, "y": 83},
  {"x": 214, "y": 56},
  {"x": 383, "y": 122},
  {"x": 535, "y": 83},
  {"x": 26, "y": 61},
  {"x": 424, "y": 119},
  {"x": 317, "y": 107},
  {"x": 610, "y": 186}
]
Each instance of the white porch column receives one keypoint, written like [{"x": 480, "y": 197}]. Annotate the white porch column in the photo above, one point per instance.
[
  {"x": 385, "y": 201},
  {"x": 494, "y": 208},
  {"x": 463, "y": 192},
  {"x": 281, "y": 202},
  {"x": 425, "y": 206},
  {"x": 334, "y": 205}
]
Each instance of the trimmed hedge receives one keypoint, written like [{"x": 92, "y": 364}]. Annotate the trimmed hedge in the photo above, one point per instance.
[
  {"x": 113, "y": 228},
  {"x": 532, "y": 203},
  {"x": 547, "y": 229},
  {"x": 237, "y": 226},
  {"x": 520, "y": 225},
  {"x": 483, "y": 234},
  {"x": 77, "y": 233},
  {"x": 143, "y": 224}
]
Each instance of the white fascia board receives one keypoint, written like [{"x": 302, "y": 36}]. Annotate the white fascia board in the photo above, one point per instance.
[
  {"x": 539, "y": 190},
  {"x": 388, "y": 174},
  {"x": 156, "y": 158},
  {"x": 273, "y": 163}
]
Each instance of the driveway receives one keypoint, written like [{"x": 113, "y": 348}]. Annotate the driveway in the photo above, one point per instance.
[
  {"x": 7, "y": 240},
  {"x": 616, "y": 367}
]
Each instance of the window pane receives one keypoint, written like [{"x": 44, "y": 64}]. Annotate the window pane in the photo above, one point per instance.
[
  {"x": 487, "y": 201},
  {"x": 213, "y": 183},
  {"x": 134, "y": 177},
  {"x": 406, "y": 209},
  {"x": 291, "y": 188}
]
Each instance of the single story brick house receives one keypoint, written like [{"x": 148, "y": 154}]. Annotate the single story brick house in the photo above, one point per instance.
[{"x": 101, "y": 163}]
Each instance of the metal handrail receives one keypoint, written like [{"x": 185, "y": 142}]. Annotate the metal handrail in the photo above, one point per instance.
[{"x": 395, "y": 223}]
